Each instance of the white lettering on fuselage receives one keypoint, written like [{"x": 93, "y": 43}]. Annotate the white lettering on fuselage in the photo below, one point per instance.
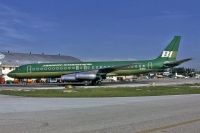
[{"x": 53, "y": 65}]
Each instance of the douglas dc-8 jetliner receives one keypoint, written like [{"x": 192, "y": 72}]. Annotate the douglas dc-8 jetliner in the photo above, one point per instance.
[{"x": 95, "y": 72}]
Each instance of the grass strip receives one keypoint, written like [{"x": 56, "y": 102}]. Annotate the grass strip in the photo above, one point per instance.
[{"x": 108, "y": 92}]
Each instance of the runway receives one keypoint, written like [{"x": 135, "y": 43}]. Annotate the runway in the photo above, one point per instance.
[
  {"x": 135, "y": 83},
  {"x": 157, "y": 114}
]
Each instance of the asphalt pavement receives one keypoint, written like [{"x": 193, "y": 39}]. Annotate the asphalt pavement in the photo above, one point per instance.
[{"x": 156, "y": 114}]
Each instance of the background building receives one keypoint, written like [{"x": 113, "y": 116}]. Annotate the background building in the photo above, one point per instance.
[{"x": 9, "y": 60}]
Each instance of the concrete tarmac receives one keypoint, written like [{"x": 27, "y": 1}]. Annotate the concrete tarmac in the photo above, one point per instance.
[{"x": 156, "y": 114}]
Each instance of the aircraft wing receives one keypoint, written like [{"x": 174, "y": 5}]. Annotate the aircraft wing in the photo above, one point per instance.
[
  {"x": 176, "y": 63},
  {"x": 102, "y": 71},
  {"x": 91, "y": 74},
  {"x": 111, "y": 69}
]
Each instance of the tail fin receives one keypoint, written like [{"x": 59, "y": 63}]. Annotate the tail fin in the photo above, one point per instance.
[{"x": 170, "y": 52}]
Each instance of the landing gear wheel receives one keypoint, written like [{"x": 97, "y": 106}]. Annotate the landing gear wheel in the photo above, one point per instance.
[
  {"x": 96, "y": 82},
  {"x": 86, "y": 83}
]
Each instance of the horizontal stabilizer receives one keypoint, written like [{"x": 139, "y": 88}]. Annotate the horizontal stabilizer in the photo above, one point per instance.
[{"x": 176, "y": 63}]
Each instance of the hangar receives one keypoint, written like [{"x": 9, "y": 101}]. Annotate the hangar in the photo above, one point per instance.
[{"x": 10, "y": 60}]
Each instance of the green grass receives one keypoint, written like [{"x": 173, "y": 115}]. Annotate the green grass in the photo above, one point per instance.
[{"x": 108, "y": 92}]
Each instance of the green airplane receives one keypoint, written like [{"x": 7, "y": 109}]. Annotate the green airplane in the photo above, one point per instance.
[{"x": 95, "y": 72}]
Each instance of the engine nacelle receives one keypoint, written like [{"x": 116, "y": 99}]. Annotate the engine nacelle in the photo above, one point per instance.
[
  {"x": 68, "y": 77},
  {"x": 83, "y": 76},
  {"x": 78, "y": 76}
]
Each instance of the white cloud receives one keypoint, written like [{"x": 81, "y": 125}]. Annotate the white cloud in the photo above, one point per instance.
[
  {"x": 15, "y": 24},
  {"x": 176, "y": 14},
  {"x": 12, "y": 47},
  {"x": 10, "y": 32}
]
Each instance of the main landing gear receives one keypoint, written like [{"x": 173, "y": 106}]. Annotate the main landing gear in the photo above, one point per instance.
[{"x": 97, "y": 81}]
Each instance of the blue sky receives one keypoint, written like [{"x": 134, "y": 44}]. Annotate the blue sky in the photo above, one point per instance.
[{"x": 100, "y": 29}]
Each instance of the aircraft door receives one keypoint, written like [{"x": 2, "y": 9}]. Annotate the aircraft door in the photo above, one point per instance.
[
  {"x": 29, "y": 69},
  {"x": 77, "y": 68},
  {"x": 85, "y": 67},
  {"x": 150, "y": 65}
]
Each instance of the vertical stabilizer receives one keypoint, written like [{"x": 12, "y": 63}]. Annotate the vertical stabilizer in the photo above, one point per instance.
[{"x": 170, "y": 52}]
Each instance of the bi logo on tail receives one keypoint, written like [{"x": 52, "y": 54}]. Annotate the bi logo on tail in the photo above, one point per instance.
[{"x": 167, "y": 54}]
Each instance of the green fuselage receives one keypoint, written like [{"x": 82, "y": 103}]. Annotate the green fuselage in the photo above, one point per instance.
[
  {"x": 55, "y": 70},
  {"x": 96, "y": 71}
]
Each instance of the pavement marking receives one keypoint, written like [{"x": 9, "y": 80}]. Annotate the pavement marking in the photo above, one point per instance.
[{"x": 169, "y": 126}]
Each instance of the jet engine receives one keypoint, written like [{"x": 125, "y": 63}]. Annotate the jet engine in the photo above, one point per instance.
[{"x": 78, "y": 77}]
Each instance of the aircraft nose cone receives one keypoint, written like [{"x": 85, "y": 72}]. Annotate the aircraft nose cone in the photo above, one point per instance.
[{"x": 10, "y": 74}]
